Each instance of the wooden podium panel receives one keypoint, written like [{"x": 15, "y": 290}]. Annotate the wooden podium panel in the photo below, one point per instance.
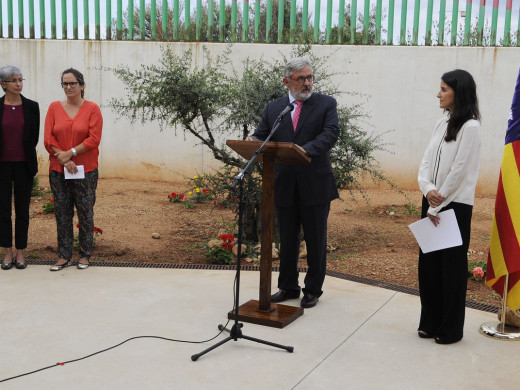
[
  {"x": 284, "y": 152},
  {"x": 263, "y": 312}
]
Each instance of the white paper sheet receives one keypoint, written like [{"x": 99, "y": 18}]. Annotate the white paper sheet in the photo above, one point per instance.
[
  {"x": 80, "y": 174},
  {"x": 433, "y": 238}
]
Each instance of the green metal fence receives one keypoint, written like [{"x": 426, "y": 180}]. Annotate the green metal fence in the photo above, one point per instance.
[{"x": 376, "y": 22}]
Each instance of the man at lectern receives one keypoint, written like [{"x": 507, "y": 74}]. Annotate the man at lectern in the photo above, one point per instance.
[{"x": 302, "y": 192}]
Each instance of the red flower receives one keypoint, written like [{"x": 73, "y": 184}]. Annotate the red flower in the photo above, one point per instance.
[
  {"x": 227, "y": 237},
  {"x": 40, "y": 213},
  {"x": 227, "y": 245},
  {"x": 95, "y": 230},
  {"x": 204, "y": 191},
  {"x": 228, "y": 241},
  {"x": 52, "y": 200}
]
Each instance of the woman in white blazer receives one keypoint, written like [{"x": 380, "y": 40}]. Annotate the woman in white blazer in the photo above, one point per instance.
[{"x": 447, "y": 178}]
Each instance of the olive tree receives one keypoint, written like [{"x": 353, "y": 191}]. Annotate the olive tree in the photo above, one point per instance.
[{"x": 214, "y": 101}]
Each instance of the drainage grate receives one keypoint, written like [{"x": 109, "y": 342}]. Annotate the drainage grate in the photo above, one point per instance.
[
  {"x": 406, "y": 290},
  {"x": 335, "y": 274}
]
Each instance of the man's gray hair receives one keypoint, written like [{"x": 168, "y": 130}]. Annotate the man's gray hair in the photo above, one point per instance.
[{"x": 294, "y": 65}]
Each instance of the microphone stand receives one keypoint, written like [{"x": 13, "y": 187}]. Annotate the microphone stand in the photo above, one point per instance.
[{"x": 235, "y": 332}]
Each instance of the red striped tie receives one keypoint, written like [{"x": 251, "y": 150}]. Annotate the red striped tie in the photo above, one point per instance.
[{"x": 297, "y": 113}]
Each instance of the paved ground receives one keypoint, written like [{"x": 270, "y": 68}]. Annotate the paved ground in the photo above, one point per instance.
[{"x": 358, "y": 337}]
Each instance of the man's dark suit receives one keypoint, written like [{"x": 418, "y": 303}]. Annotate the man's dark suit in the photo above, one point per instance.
[{"x": 303, "y": 192}]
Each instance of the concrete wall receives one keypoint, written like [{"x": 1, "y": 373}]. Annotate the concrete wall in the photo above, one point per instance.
[{"x": 397, "y": 86}]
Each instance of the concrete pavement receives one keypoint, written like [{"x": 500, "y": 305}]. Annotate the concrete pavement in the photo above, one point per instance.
[{"x": 357, "y": 337}]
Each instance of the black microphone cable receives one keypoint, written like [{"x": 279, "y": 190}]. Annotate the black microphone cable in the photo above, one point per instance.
[{"x": 125, "y": 341}]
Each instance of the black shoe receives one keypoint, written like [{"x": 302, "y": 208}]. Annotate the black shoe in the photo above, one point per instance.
[
  {"x": 17, "y": 264},
  {"x": 424, "y": 335},
  {"x": 283, "y": 295},
  {"x": 441, "y": 340},
  {"x": 309, "y": 301},
  {"x": 7, "y": 266},
  {"x": 20, "y": 265},
  {"x": 59, "y": 267},
  {"x": 83, "y": 265}
]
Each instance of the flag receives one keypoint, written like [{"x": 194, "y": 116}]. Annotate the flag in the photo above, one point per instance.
[{"x": 504, "y": 244}]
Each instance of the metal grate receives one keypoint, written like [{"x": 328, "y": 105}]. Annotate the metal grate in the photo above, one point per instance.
[{"x": 334, "y": 274}]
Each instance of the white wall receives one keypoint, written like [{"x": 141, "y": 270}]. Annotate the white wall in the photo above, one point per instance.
[{"x": 398, "y": 87}]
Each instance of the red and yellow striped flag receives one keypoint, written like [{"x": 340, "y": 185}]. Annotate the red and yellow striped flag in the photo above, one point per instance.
[{"x": 504, "y": 244}]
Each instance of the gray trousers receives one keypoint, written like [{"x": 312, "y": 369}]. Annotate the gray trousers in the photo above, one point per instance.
[{"x": 67, "y": 194}]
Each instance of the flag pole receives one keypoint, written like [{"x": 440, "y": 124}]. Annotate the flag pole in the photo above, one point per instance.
[
  {"x": 504, "y": 245},
  {"x": 499, "y": 330},
  {"x": 504, "y": 302}
]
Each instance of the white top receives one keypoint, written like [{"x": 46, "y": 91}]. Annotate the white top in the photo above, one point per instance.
[
  {"x": 451, "y": 168},
  {"x": 292, "y": 100}
]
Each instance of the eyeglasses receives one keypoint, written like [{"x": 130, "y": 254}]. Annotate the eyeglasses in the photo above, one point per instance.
[
  {"x": 72, "y": 84},
  {"x": 301, "y": 79},
  {"x": 14, "y": 81}
]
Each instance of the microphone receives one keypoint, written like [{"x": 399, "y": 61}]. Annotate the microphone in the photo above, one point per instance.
[
  {"x": 287, "y": 109},
  {"x": 278, "y": 120}
]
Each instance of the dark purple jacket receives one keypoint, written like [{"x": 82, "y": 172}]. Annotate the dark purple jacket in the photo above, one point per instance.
[{"x": 31, "y": 131}]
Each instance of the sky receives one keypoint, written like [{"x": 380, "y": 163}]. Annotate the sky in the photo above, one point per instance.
[{"x": 324, "y": 4}]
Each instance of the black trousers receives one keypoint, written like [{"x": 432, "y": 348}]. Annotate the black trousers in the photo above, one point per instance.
[
  {"x": 17, "y": 175},
  {"x": 443, "y": 280},
  {"x": 313, "y": 219}
]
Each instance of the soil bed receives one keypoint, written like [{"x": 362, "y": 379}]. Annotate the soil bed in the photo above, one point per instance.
[{"x": 370, "y": 240}]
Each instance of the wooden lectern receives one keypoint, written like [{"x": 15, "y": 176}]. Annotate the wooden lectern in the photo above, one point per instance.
[{"x": 263, "y": 312}]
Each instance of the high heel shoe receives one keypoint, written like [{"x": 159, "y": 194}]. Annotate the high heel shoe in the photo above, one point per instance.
[{"x": 59, "y": 267}]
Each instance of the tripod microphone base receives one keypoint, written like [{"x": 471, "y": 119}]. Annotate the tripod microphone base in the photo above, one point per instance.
[
  {"x": 235, "y": 333},
  {"x": 279, "y": 316}
]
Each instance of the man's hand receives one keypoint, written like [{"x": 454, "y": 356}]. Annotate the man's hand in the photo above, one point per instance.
[
  {"x": 302, "y": 150},
  {"x": 251, "y": 138}
]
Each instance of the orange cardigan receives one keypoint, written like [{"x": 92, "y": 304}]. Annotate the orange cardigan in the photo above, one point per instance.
[{"x": 64, "y": 133}]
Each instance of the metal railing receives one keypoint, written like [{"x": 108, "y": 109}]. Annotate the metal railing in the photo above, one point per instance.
[{"x": 268, "y": 21}]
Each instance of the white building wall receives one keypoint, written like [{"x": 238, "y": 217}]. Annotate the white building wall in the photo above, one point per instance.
[{"x": 398, "y": 86}]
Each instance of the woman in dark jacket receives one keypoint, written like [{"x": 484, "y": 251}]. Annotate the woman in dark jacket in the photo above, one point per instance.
[{"x": 19, "y": 132}]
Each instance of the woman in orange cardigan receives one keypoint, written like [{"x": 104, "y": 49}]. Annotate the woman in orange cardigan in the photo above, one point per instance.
[{"x": 72, "y": 135}]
